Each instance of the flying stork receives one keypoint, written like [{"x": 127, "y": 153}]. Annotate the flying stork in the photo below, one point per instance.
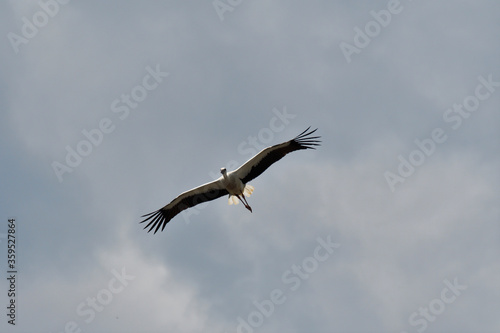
[{"x": 232, "y": 183}]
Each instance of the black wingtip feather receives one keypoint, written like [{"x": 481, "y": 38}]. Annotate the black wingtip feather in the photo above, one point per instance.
[
  {"x": 155, "y": 219},
  {"x": 305, "y": 141}
]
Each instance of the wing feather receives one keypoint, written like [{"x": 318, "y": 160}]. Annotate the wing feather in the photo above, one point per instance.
[
  {"x": 188, "y": 199},
  {"x": 265, "y": 158}
]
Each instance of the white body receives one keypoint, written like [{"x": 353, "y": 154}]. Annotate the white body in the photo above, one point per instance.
[
  {"x": 232, "y": 182},
  {"x": 235, "y": 186}
]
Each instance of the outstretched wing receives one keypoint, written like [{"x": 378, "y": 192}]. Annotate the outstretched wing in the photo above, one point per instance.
[
  {"x": 203, "y": 193},
  {"x": 263, "y": 160}
]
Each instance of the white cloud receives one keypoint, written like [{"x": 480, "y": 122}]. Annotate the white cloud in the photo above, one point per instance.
[{"x": 225, "y": 78}]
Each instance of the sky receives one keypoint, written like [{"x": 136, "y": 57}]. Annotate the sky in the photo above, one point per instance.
[{"x": 110, "y": 110}]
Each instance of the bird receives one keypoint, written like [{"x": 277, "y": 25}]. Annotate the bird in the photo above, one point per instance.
[{"x": 233, "y": 183}]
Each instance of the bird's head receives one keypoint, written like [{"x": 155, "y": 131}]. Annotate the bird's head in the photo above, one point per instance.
[{"x": 223, "y": 170}]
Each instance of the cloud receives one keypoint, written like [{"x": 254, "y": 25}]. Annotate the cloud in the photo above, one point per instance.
[{"x": 227, "y": 79}]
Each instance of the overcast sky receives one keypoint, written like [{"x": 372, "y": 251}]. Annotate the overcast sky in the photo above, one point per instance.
[{"x": 111, "y": 110}]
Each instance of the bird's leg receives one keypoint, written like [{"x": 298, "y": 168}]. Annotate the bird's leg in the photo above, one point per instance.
[{"x": 244, "y": 201}]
